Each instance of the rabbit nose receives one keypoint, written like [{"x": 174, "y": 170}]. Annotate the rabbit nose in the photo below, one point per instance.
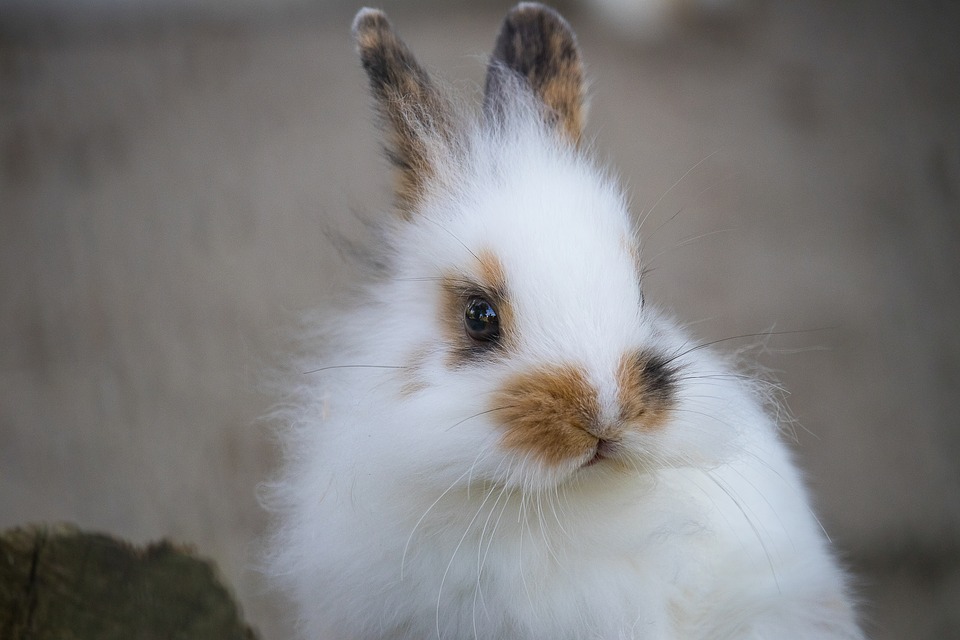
[{"x": 604, "y": 430}]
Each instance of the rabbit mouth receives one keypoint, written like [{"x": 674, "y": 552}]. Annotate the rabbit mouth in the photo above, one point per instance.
[
  {"x": 604, "y": 450},
  {"x": 597, "y": 457}
]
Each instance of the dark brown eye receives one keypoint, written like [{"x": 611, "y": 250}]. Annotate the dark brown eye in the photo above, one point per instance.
[{"x": 480, "y": 320}]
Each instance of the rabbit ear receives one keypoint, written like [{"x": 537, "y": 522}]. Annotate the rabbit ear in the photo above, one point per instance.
[
  {"x": 537, "y": 44},
  {"x": 416, "y": 117}
]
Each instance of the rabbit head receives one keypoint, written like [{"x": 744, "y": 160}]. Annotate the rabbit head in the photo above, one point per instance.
[{"x": 513, "y": 310}]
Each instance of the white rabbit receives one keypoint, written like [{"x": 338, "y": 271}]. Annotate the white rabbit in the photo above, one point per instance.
[{"x": 501, "y": 439}]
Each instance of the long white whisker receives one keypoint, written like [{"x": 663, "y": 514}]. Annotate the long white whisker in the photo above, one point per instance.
[
  {"x": 477, "y": 415},
  {"x": 452, "y": 235},
  {"x": 406, "y": 546},
  {"x": 554, "y": 505},
  {"x": 648, "y": 264},
  {"x": 453, "y": 557},
  {"x": 354, "y": 366},
  {"x": 756, "y": 532},
  {"x": 673, "y": 186},
  {"x": 773, "y": 509},
  {"x": 682, "y": 209},
  {"x": 483, "y": 550}
]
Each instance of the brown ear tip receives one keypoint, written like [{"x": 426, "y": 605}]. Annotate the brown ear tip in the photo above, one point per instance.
[
  {"x": 531, "y": 27},
  {"x": 367, "y": 22}
]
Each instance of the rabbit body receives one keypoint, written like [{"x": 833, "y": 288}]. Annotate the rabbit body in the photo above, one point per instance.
[{"x": 561, "y": 461}]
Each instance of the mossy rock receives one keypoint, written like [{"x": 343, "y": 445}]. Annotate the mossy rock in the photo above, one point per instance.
[{"x": 57, "y": 582}]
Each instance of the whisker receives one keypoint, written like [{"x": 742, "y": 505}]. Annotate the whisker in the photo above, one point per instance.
[
  {"x": 355, "y": 366},
  {"x": 522, "y": 521},
  {"x": 647, "y": 264},
  {"x": 421, "y": 279},
  {"x": 664, "y": 223},
  {"x": 679, "y": 180},
  {"x": 452, "y": 235},
  {"x": 477, "y": 415},
  {"x": 453, "y": 557},
  {"x": 763, "y": 334},
  {"x": 554, "y": 503},
  {"x": 466, "y": 282},
  {"x": 756, "y": 532},
  {"x": 496, "y": 523},
  {"x": 764, "y": 498},
  {"x": 406, "y": 546},
  {"x": 544, "y": 529},
  {"x": 722, "y": 512},
  {"x": 733, "y": 376}
]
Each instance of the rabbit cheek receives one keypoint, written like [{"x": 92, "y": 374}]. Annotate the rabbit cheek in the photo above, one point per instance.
[
  {"x": 547, "y": 414},
  {"x": 411, "y": 376},
  {"x": 647, "y": 386}
]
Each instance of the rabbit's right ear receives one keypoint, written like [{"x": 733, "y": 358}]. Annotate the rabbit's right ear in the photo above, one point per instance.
[
  {"x": 416, "y": 117},
  {"x": 536, "y": 45}
]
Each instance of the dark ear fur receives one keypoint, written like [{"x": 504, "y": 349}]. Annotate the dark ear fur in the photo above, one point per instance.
[
  {"x": 415, "y": 115},
  {"x": 537, "y": 44}
]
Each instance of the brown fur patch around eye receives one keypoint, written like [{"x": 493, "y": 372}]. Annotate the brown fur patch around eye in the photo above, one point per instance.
[
  {"x": 537, "y": 43},
  {"x": 416, "y": 116},
  {"x": 486, "y": 280},
  {"x": 491, "y": 272},
  {"x": 646, "y": 383},
  {"x": 546, "y": 415}
]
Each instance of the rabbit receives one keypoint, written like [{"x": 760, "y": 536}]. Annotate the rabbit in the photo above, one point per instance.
[{"x": 500, "y": 437}]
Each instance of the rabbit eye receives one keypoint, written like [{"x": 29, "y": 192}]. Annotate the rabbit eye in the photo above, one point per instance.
[{"x": 480, "y": 320}]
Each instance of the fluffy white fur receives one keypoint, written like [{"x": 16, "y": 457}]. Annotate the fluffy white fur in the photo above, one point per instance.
[{"x": 399, "y": 514}]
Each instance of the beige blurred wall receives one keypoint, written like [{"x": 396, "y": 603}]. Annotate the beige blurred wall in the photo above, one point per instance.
[{"x": 168, "y": 188}]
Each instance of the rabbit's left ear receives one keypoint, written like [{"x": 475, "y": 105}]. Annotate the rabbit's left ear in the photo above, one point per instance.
[{"x": 536, "y": 44}]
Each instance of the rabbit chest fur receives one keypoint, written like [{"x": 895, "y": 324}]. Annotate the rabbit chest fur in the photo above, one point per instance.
[{"x": 502, "y": 438}]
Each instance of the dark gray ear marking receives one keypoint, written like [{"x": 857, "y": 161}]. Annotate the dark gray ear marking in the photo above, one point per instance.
[
  {"x": 537, "y": 44},
  {"x": 414, "y": 114}
]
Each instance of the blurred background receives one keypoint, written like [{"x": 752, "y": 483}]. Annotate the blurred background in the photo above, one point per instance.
[{"x": 174, "y": 175}]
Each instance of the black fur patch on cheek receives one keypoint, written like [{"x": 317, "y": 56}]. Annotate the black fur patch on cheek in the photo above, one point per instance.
[
  {"x": 660, "y": 375},
  {"x": 647, "y": 384}
]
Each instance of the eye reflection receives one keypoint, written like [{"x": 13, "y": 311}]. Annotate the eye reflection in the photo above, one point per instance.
[{"x": 480, "y": 320}]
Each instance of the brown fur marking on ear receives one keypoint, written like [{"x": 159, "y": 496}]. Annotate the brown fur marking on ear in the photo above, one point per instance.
[
  {"x": 538, "y": 44},
  {"x": 487, "y": 281},
  {"x": 548, "y": 415},
  {"x": 414, "y": 113},
  {"x": 646, "y": 383}
]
